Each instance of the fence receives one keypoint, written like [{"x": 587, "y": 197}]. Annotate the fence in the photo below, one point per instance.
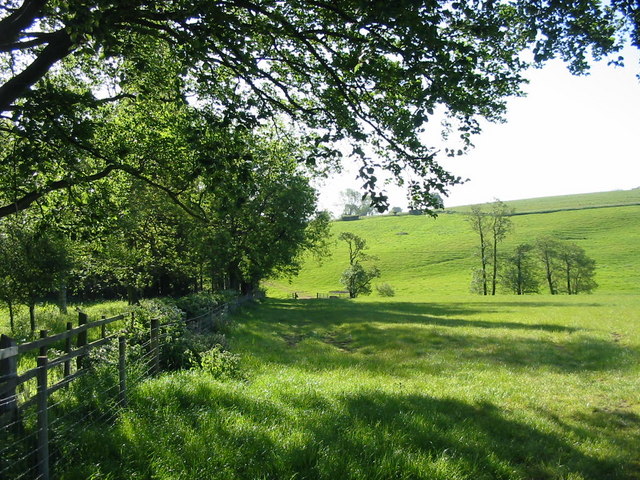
[{"x": 28, "y": 417}]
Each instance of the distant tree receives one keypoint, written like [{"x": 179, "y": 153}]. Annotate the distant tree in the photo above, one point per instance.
[
  {"x": 500, "y": 225},
  {"x": 481, "y": 224},
  {"x": 396, "y": 210},
  {"x": 520, "y": 271},
  {"x": 355, "y": 203},
  {"x": 357, "y": 279},
  {"x": 491, "y": 227},
  {"x": 578, "y": 269},
  {"x": 548, "y": 251}
]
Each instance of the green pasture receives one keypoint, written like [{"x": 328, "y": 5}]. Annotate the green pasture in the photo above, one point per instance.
[
  {"x": 424, "y": 256},
  {"x": 452, "y": 387}
]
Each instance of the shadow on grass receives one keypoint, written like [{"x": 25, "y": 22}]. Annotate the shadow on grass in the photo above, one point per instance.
[
  {"x": 405, "y": 312},
  {"x": 213, "y": 431},
  {"x": 392, "y": 338}
]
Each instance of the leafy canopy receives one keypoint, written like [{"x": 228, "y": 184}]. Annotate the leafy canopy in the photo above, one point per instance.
[{"x": 368, "y": 75}]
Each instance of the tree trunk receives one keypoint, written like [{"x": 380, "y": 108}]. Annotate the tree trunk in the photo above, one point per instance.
[
  {"x": 483, "y": 256},
  {"x": 132, "y": 297},
  {"x": 32, "y": 316},
  {"x": 62, "y": 298},
  {"x": 12, "y": 322},
  {"x": 495, "y": 267}
]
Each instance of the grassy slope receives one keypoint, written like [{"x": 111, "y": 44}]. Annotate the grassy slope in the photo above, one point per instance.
[{"x": 437, "y": 255}]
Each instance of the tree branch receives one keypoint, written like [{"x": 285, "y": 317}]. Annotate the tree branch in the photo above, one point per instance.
[
  {"x": 24, "y": 202},
  {"x": 24, "y": 16},
  {"x": 58, "y": 48}
]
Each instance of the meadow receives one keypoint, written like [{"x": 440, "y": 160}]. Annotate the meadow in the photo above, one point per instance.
[
  {"x": 446, "y": 388},
  {"x": 433, "y": 383}
]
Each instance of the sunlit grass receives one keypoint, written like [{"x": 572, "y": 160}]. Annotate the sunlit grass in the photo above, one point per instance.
[{"x": 446, "y": 388}]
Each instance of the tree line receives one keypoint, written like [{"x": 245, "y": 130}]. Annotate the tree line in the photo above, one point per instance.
[
  {"x": 256, "y": 215},
  {"x": 562, "y": 267}
]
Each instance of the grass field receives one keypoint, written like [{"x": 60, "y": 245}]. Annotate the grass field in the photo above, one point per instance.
[
  {"x": 423, "y": 256},
  {"x": 447, "y": 388}
]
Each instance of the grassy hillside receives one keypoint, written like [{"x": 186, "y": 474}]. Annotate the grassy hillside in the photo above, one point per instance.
[{"x": 422, "y": 256}]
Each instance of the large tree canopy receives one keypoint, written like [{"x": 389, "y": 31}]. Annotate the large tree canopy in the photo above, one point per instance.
[{"x": 367, "y": 74}]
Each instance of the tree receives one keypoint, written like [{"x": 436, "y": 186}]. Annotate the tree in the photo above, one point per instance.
[
  {"x": 357, "y": 279},
  {"x": 37, "y": 262},
  {"x": 355, "y": 203},
  {"x": 567, "y": 267},
  {"x": 480, "y": 223},
  {"x": 500, "y": 225},
  {"x": 491, "y": 227},
  {"x": 578, "y": 268},
  {"x": 548, "y": 250},
  {"x": 396, "y": 210},
  {"x": 520, "y": 271},
  {"x": 363, "y": 73}
]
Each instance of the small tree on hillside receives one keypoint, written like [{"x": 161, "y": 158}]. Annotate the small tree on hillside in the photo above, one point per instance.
[
  {"x": 578, "y": 269},
  {"x": 548, "y": 249},
  {"x": 500, "y": 225},
  {"x": 520, "y": 271},
  {"x": 357, "y": 279},
  {"x": 480, "y": 223}
]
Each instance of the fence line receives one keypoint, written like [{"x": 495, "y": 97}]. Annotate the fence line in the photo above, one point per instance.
[{"x": 31, "y": 430}]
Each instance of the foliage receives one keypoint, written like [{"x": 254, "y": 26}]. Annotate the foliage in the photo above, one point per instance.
[
  {"x": 385, "y": 290},
  {"x": 520, "y": 271},
  {"x": 199, "y": 303},
  {"x": 578, "y": 269},
  {"x": 36, "y": 260},
  {"x": 68, "y": 70},
  {"x": 355, "y": 203},
  {"x": 220, "y": 363},
  {"x": 357, "y": 279}
]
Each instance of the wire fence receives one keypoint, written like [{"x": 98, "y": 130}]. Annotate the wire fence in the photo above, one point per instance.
[{"x": 44, "y": 410}]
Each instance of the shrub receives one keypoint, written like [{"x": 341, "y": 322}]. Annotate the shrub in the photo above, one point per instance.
[
  {"x": 199, "y": 303},
  {"x": 186, "y": 351},
  {"x": 385, "y": 290},
  {"x": 220, "y": 363}
]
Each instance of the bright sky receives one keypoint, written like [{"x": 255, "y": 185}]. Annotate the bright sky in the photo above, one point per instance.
[{"x": 568, "y": 135}]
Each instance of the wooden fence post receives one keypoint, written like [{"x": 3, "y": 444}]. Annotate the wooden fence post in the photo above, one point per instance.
[
  {"x": 9, "y": 372},
  {"x": 122, "y": 371},
  {"x": 155, "y": 351},
  {"x": 82, "y": 338},
  {"x": 103, "y": 329},
  {"x": 43, "y": 420},
  {"x": 67, "y": 351},
  {"x": 43, "y": 349}
]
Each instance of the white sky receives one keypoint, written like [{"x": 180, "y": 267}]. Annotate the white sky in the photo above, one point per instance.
[{"x": 568, "y": 135}]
